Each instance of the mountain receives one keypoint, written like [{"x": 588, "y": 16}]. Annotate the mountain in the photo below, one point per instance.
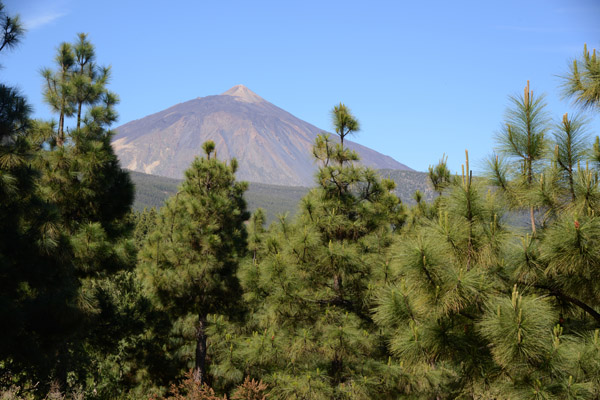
[{"x": 271, "y": 145}]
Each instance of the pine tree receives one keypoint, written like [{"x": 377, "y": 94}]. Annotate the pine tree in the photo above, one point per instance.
[
  {"x": 83, "y": 175},
  {"x": 37, "y": 287},
  {"x": 58, "y": 91},
  {"x": 256, "y": 233},
  {"x": 522, "y": 139},
  {"x": 145, "y": 223},
  {"x": 344, "y": 122},
  {"x": 439, "y": 176},
  {"x": 12, "y": 30},
  {"x": 87, "y": 80},
  {"x": 189, "y": 262},
  {"x": 311, "y": 334},
  {"x": 93, "y": 195},
  {"x": 549, "y": 270},
  {"x": 571, "y": 148},
  {"x": 478, "y": 309},
  {"x": 567, "y": 194},
  {"x": 440, "y": 279}
]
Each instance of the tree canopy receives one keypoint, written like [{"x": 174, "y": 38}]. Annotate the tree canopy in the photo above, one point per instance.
[{"x": 489, "y": 291}]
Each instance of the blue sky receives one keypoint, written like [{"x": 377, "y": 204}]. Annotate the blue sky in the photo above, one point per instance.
[{"x": 423, "y": 77}]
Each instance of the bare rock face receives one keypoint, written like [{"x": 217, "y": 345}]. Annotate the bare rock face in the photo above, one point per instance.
[{"x": 271, "y": 145}]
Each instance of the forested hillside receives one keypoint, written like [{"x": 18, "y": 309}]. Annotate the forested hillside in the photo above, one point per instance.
[
  {"x": 152, "y": 191},
  {"x": 359, "y": 295}
]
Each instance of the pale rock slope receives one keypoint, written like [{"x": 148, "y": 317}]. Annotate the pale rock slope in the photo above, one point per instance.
[{"x": 271, "y": 145}]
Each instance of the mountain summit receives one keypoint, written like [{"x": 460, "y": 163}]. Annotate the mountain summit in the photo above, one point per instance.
[
  {"x": 271, "y": 145},
  {"x": 242, "y": 93}
]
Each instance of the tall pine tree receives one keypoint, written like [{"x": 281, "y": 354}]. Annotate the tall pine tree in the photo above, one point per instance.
[
  {"x": 37, "y": 286},
  {"x": 189, "y": 262},
  {"x": 93, "y": 195},
  {"x": 311, "y": 284}
]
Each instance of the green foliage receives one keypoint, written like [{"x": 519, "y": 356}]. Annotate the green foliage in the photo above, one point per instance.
[
  {"x": 522, "y": 137},
  {"x": 78, "y": 82},
  {"x": 12, "y": 30},
  {"x": 344, "y": 122},
  {"x": 189, "y": 262},
  {"x": 313, "y": 279},
  {"x": 523, "y": 141},
  {"x": 553, "y": 267},
  {"x": 440, "y": 175},
  {"x": 571, "y": 148},
  {"x": 86, "y": 234},
  {"x": 37, "y": 285},
  {"x": 152, "y": 191},
  {"x": 355, "y": 298},
  {"x": 441, "y": 278},
  {"x": 408, "y": 182},
  {"x": 518, "y": 329},
  {"x": 145, "y": 223},
  {"x": 582, "y": 84}
]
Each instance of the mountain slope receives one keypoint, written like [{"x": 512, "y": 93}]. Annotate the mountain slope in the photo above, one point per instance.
[
  {"x": 152, "y": 191},
  {"x": 271, "y": 145}
]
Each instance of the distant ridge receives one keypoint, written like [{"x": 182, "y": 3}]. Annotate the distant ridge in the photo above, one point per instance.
[{"x": 271, "y": 145}]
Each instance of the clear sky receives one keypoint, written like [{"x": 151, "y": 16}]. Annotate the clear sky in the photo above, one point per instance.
[{"x": 423, "y": 77}]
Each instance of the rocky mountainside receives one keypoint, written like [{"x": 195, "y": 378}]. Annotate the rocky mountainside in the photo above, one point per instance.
[{"x": 271, "y": 145}]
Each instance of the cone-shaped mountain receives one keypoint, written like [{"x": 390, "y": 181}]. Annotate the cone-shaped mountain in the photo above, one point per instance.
[{"x": 270, "y": 144}]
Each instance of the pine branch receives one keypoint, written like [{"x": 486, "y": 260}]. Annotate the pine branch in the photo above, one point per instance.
[{"x": 557, "y": 293}]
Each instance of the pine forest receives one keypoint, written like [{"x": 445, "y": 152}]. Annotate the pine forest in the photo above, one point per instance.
[{"x": 487, "y": 289}]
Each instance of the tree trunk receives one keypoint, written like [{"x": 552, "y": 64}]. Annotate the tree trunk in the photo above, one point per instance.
[
  {"x": 571, "y": 184},
  {"x": 60, "y": 141},
  {"x": 337, "y": 285},
  {"x": 79, "y": 115},
  {"x": 469, "y": 218},
  {"x": 200, "y": 367},
  {"x": 61, "y": 367}
]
